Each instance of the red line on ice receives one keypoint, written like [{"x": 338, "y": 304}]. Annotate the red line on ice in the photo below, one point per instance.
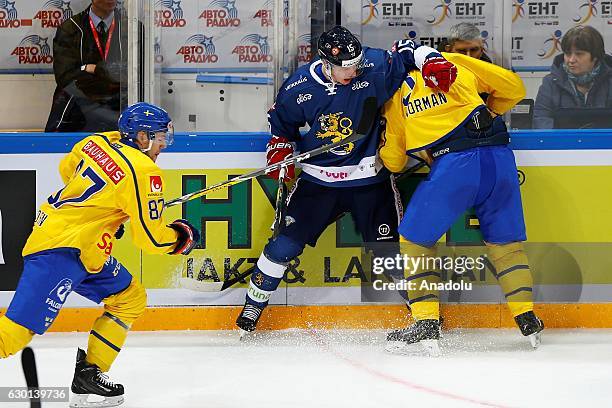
[{"x": 397, "y": 380}]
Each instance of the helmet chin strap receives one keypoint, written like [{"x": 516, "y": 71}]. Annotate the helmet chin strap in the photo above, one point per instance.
[
  {"x": 148, "y": 148},
  {"x": 327, "y": 71}
]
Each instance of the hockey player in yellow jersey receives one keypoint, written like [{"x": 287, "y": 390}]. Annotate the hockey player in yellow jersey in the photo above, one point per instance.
[
  {"x": 109, "y": 178},
  {"x": 471, "y": 167}
]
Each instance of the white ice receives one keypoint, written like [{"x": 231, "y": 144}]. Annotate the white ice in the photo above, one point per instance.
[{"x": 317, "y": 369}]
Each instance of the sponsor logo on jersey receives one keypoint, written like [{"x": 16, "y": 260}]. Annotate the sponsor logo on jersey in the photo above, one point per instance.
[
  {"x": 53, "y": 13},
  {"x": 440, "y": 152},
  {"x": 335, "y": 127},
  {"x": 221, "y": 13},
  {"x": 169, "y": 13},
  {"x": 303, "y": 98},
  {"x": 258, "y": 295},
  {"x": 104, "y": 161},
  {"x": 337, "y": 175},
  {"x": 367, "y": 64},
  {"x": 156, "y": 184},
  {"x": 296, "y": 83},
  {"x": 360, "y": 85},
  {"x": 33, "y": 49},
  {"x": 41, "y": 217},
  {"x": 9, "y": 16},
  {"x": 58, "y": 294},
  {"x": 384, "y": 229},
  {"x": 106, "y": 243},
  {"x": 253, "y": 48},
  {"x": 198, "y": 49}
]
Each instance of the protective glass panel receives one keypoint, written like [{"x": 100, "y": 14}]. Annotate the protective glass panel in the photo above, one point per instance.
[
  {"x": 55, "y": 80},
  {"x": 215, "y": 61}
]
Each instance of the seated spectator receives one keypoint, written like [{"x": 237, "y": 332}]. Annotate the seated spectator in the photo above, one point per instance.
[
  {"x": 90, "y": 67},
  {"x": 579, "y": 78}
]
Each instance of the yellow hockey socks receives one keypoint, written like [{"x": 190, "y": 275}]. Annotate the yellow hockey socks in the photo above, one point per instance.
[
  {"x": 110, "y": 330},
  {"x": 423, "y": 299},
  {"x": 513, "y": 274}
]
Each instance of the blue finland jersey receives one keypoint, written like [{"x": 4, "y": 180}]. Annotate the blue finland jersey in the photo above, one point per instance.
[{"x": 333, "y": 112}]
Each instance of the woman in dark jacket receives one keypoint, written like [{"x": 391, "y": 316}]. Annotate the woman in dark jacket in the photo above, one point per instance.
[{"x": 579, "y": 78}]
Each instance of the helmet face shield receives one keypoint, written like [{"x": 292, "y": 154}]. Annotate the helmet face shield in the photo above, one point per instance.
[
  {"x": 164, "y": 136},
  {"x": 346, "y": 72}
]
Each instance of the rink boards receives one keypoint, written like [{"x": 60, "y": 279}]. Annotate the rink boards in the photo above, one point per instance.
[{"x": 566, "y": 196}]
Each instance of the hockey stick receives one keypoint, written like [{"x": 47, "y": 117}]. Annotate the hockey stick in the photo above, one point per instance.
[
  {"x": 279, "y": 209},
  {"x": 200, "y": 286},
  {"x": 28, "y": 364},
  {"x": 368, "y": 114}
]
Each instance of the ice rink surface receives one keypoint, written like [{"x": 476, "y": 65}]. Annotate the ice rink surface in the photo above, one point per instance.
[{"x": 325, "y": 368}]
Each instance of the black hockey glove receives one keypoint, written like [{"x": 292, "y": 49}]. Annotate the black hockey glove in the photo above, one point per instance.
[{"x": 188, "y": 237}]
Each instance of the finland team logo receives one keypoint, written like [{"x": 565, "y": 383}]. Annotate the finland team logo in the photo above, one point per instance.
[{"x": 335, "y": 128}]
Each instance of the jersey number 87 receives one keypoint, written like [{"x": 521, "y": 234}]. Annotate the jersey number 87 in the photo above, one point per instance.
[{"x": 98, "y": 184}]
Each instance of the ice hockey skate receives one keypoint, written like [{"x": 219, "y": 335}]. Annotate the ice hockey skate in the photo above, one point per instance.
[
  {"x": 248, "y": 318},
  {"x": 92, "y": 388},
  {"x": 531, "y": 327},
  {"x": 423, "y": 333}
]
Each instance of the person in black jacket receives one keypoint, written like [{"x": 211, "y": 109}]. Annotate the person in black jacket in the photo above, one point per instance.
[{"x": 90, "y": 67}]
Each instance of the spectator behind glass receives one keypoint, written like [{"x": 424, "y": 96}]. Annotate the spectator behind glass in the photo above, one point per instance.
[
  {"x": 579, "y": 78},
  {"x": 89, "y": 61},
  {"x": 465, "y": 38}
]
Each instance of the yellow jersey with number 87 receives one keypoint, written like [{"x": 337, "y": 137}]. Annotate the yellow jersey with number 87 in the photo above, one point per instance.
[{"x": 107, "y": 183}]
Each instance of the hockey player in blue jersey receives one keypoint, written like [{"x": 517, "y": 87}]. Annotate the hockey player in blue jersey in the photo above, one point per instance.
[{"x": 328, "y": 95}]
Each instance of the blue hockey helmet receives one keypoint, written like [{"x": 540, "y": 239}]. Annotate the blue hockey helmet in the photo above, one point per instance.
[{"x": 148, "y": 118}]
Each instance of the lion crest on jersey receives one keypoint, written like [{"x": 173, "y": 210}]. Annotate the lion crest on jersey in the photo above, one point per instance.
[
  {"x": 259, "y": 279},
  {"x": 335, "y": 127}
]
